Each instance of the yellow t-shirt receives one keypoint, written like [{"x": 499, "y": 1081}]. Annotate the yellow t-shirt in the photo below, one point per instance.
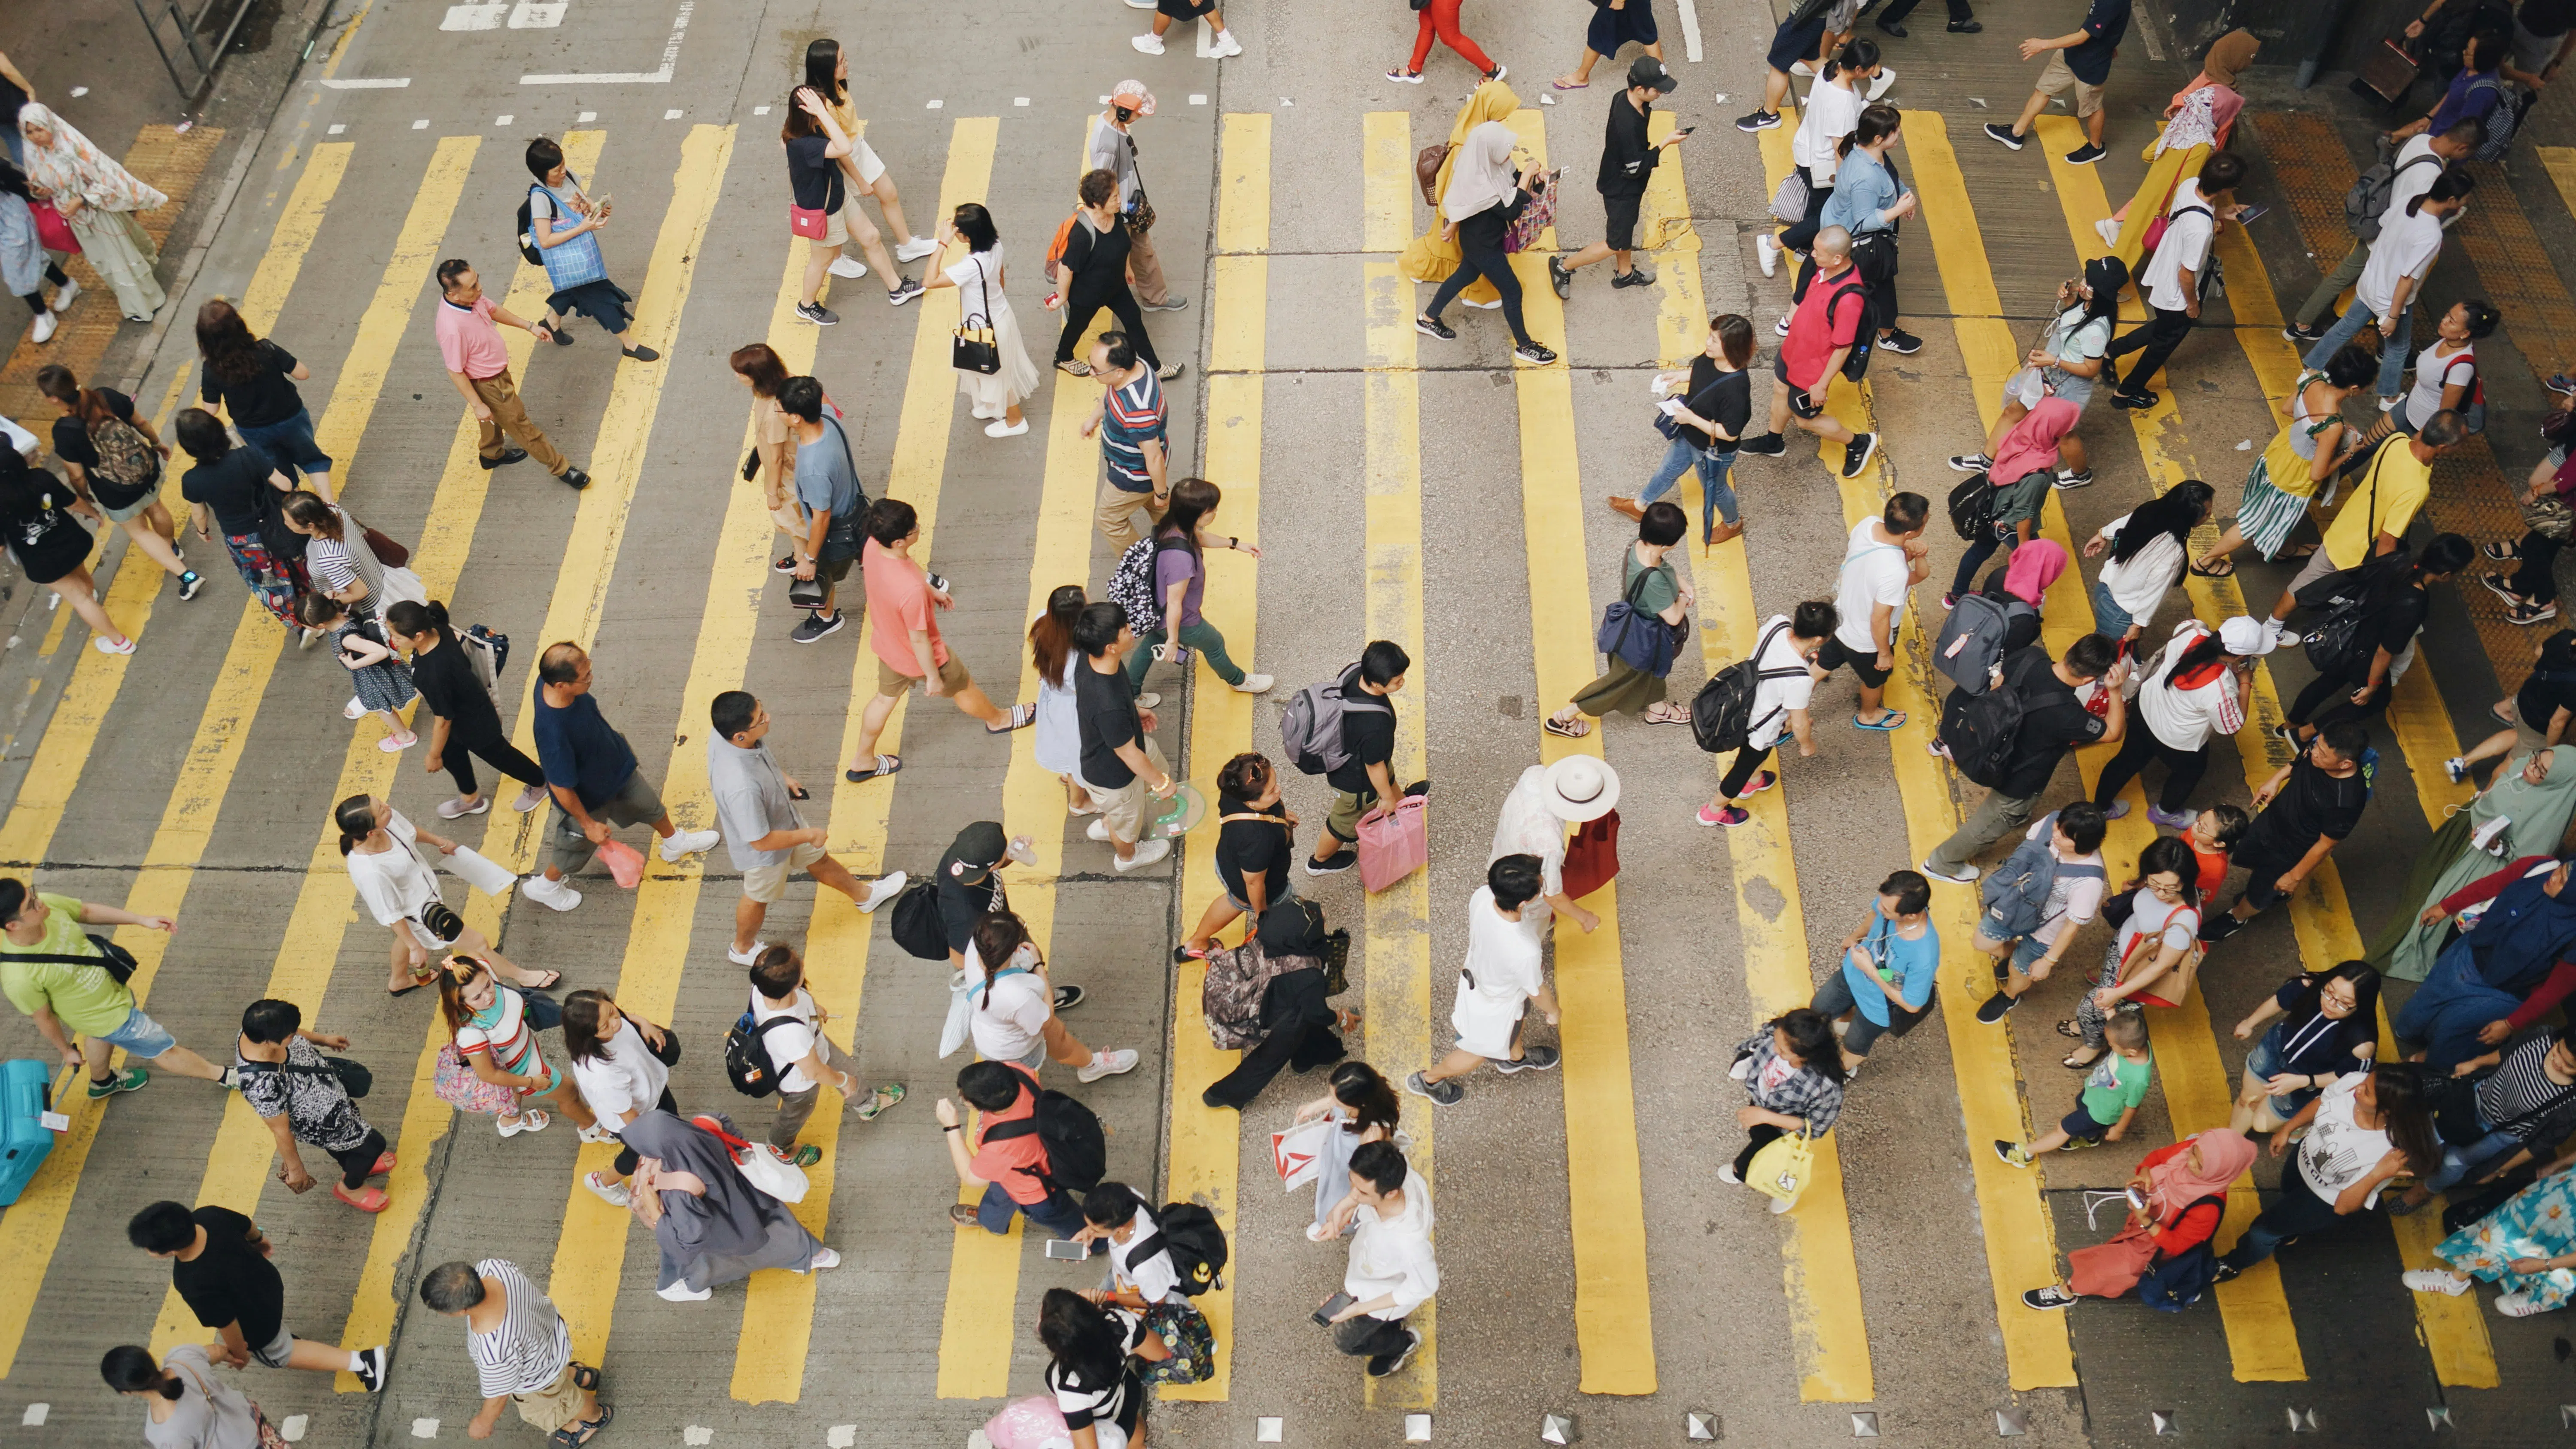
[{"x": 2403, "y": 483}]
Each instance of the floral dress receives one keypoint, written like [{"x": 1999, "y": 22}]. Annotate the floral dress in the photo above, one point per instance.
[
  {"x": 384, "y": 686},
  {"x": 2537, "y": 1222}
]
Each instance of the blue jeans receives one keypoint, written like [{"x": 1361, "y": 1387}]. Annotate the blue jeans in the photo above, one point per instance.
[
  {"x": 289, "y": 444},
  {"x": 1059, "y": 1214},
  {"x": 2393, "y": 350},
  {"x": 2447, "y": 1010},
  {"x": 2462, "y": 1161},
  {"x": 2108, "y": 617},
  {"x": 1715, "y": 470},
  {"x": 2297, "y": 1212}
]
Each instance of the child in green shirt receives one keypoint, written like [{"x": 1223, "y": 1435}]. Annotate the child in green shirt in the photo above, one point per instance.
[{"x": 2109, "y": 1099}]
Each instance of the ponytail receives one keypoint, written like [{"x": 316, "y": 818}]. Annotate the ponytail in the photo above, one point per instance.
[
  {"x": 1856, "y": 55},
  {"x": 1877, "y": 122},
  {"x": 413, "y": 620},
  {"x": 356, "y": 817}
]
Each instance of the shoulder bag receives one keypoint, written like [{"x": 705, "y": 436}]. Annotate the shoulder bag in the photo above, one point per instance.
[
  {"x": 975, "y": 348},
  {"x": 1139, "y": 215},
  {"x": 1783, "y": 1166},
  {"x": 2174, "y": 987},
  {"x": 353, "y": 1076},
  {"x": 1650, "y": 651},
  {"x": 118, "y": 962},
  {"x": 767, "y": 1172}
]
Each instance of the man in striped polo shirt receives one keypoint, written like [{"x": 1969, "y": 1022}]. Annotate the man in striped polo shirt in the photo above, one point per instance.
[
  {"x": 1134, "y": 441},
  {"x": 522, "y": 1349}
]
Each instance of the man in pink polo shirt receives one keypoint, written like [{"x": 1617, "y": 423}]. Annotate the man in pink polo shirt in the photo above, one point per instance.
[{"x": 469, "y": 339}]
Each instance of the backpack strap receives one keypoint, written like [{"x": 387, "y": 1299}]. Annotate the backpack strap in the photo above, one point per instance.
[{"x": 1276, "y": 820}]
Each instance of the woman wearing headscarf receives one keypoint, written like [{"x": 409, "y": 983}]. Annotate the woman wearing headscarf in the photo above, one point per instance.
[
  {"x": 2184, "y": 1189},
  {"x": 2503, "y": 972},
  {"x": 2024, "y": 467},
  {"x": 99, "y": 198},
  {"x": 2066, "y": 363},
  {"x": 1432, "y": 256},
  {"x": 1485, "y": 191},
  {"x": 2197, "y": 122},
  {"x": 713, "y": 1225},
  {"x": 2527, "y": 804}
]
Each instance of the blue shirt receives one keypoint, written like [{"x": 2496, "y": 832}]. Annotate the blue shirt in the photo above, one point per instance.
[
  {"x": 1913, "y": 963},
  {"x": 2104, "y": 25},
  {"x": 1862, "y": 189},
  {"x": 580, "y": 752}
]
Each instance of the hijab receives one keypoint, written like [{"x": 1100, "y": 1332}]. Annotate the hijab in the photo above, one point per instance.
[
  {"x": 2032, "y": 443},
  {"x": 732, "y": 1217},
  {"x": 72, "y": 166},
  {"x": 2228, "y": 57},
  {"x": 1481, "y": 172},
  {"x": 1492, "y": 101},
  {"x": 2035, "y": 565},
  {"x": 2225, "y": 1153},
  {"x": 1293, "y": 927}
]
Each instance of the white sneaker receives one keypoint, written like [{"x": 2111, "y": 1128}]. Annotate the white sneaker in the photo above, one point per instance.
[
  {"x": 823, "y": 1258},
  {"x": 1766, "y": 250},
  {"x": 110, "y": 646},
  {"x": 1781, "y": 327},
  {"x": 886, "y": 888},
  {"x": 1147, "y": 853},
  {"x": 745, "y": 958},
  {"x": 45, "y": 325},
  {"x": 1886, "y": 78},
  {"x": 1149, "y": 43},
  {"x": 1804, "y": 67},
  {"x": 2434, "y": 1280},
  {"x": 679, "y": 1293},
  {"x": 1006, "y": 428},
  {"x": 1099, "y": 831},
  {"x": 2516, "y": 1305},
  {"x": 1149, "y": 700},
  {"x": 610, "y": 1190},
  {"x": 849, "y": 266},
  {"x": 1727, "y": 1174},
  {"x": 685, "y": 843},
  {"x": 1781, "y": 1205},
  {"x": 1107, "y": 1064},
  {"x": 1226, "y": 45},
  {"x": 67, "y": 294},
  {"x": 596, "y": 1133},
  {"x": 914, "y": 250},
  {"x": 552, "y": 894},
  {"x": 2108, "y": 230},
  {"x": 1252, "y": 684}
]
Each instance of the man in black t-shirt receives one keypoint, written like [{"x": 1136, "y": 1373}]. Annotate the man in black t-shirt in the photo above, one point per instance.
[
  {"x": 1255, "y": 834},
  {"x": 219, "y": 1265},
  {"x": 968, "y": 886},
  {"x": 1627, "y": 164},
  {"x": 2053, "y": 721},
  {"x": 1368, "y": 735},
  {"x": 2307, "y": 805},
  {"x": 1121, "y": 764}
]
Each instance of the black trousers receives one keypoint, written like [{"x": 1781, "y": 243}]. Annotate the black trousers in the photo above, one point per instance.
[
  {"x": 2535, "y": 577},
  {"x": 1802, "y": 235},
  {"x": 626, "y": 1156},
  {"x": 2328, "y": 700},
  {"x": 1083, "y": 300},
  {"x": 355, "y": 1163},
  {"x": 1366, "y": 1337},
  {"x": 1898, "y": 11},
  {"x": 496, "y": 750},
  {"x": 1740, "y": 773},
  {"x": 1492, "y": 264},
  {"x": 2153, "y": 342},
  {"x": 1756, "y": 1138},
  {"x": 2182, "y": 767},
  {"x": 1299, "y": 1048},
  {"x": 35, "y": 300}
]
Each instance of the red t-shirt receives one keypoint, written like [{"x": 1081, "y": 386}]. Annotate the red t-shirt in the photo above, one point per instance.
[
  {"x": 1812, "y": 338},
  {"x": 2213, "y": 868},
  {"x": 1001, "y": 1161},
  {"x": 899, "y": 602}
]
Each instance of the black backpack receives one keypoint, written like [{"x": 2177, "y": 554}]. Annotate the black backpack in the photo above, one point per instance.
[
  {"x": 746, "y": 1055},
  {"x": 1189, "y": 1233},
  {"x": 1722, "y": 712},
  {"x": 2177, "y": 1281},
  {"x": 1979, "y": 731},
  {"x": 917, "y": 926},
  {"x": 1972, "y": 508},
  {"x": 1077, "y": 1150}
]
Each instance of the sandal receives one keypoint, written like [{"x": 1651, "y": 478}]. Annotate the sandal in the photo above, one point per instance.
[
  {"x": 885, "y": 765},
  {"x": 1021, "y": 717},
  {"x": 573, "y": 1436},
  {"x": 1573, "y": 729},
  {"x": 2069, "y": 1030},
  {"x": 1673, "y": 716},
  {"x": 2086, "y": 1065},
  {"x": 584, "y": 1376},
  {"x": 553, "y": 978},
  {"x": 2207, "y": 569},
  {"x": 884, "y": 1096},
  {"x": 2504, "y": 552}
]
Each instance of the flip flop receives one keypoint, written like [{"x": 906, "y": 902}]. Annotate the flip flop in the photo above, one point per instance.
[
  {"x": 2226, "y": 569},
  {"x": 878, "y": 1100},
  {"x": 1888, "y": 723},
  {"x": 2070, "y": 1031},
  {"x": 1577, "y": 86},
  {"x": 553, "y": 978},
  {"x": 2499, "y": 716},
  {"x": 2072, "y": 1065},
  {"x": 1021, "y": 717},
  {"x": 886, "y": 765},
  {"x": 407, "y": 990},
  {"x": 1574, "y": 731}
]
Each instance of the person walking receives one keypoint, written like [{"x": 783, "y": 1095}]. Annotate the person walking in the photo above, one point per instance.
[
  {"x": 1868, "y": 201},
  {"x": 1005, "y": 1160},
  {"x": 1133, "y": 422},
  {"x": 2303, "y": 811},
  {"x": 1362, "y": 1106},
  {"x": 2314, "y": 444},
  {"x": 2193, "y": 691},
  {"x": 2410, "y": 240},
  {"x": 1502, "y": 978},
  {"x": 1806, "y": 39},
  {"x": 1627, "y": 165},
  {"x": 2177, "y": 1198},
  {"x": 2527, "y": 1247},
  {"x": 2364, "y": 1130},
  {"x": 1792, "y": 1071},
  {"x": 982, "y": 281},
  {"x": 393, "y": 879},
  {"x": 622, "y": 1066},
  {"x": 832, "y": 500},
  {"x": 763, "y": 830},
  {"x": 2027, "y": 934},
  {"x": 1822, "y": 332},
  {"x": 1535, "y": 815},
  {"x": 52, "y": 549},
  {"x": 1181, "y": 537},
  {"x": 55, "y": 972},
  {"x": 565, "y": 224},
  {"x": 124, "y": 484},
  {"x": 465, "y": 720},
  {"x": 712, "y": 1224},
  {"x": 2396, "y": 484},
  {"x": 1438, "y": 20},
  {"x": 1484, "y": 194},
  {"x": 1658, "y": 605},
  {"x": 2148, "y": 960},
  {"x": 1614, "y": 23},
  {"x": 1883, "y": 560},
  {"x": 228, "y": 488},
  {"x": 1704, "y": 416},
  {"x": 1221, "y": 41},
  {"x": 342, "y": 565},
  {"x": 592, "y": 774},
  {"x": 2079, "y": 66},
  {"x": 1053, "y": 654},
  {"x": 1091, "y": 1377},
  {"x": 2053, "y": 722},
  {"x": 1889, "y": 963},
  {"x": 2198, "y": 121},
  {"x": 1963, "y": 18},
  {"x": 2149, "y": 548},
  {"x": 788, "y": 1023},
  {"x": 774, "y": 444},
  {"x": 2324, "y": 1025},
  {"x": 1292, "y": 1025},
  {"x": 2067, "y": 362},
  {"x": 827, "y": 75},
  {"x": 382, "y": 680},
  {"x": 184, "y": 1405},
  {"x": 220, "y": 1267},
  {"x": 903, "y": 629},
  {"x": 99, "y": 199},
  {"x": 300, "y": 1094},
  {"x": 1366, "y": 777},
  {"x": 1121, "y": 762},
  {"x": 2106, "y": 1105},
  {"x": 1112, "y": 148},
  {"x": 1786, "y": 675},
  {"x": 818, "y": 153},
  {"x": 2360, "y": 687},
  {"x": 1014, "y": 1017},
  {"x": 967, "y": 886},
  {"x": 494, "y": 1028},
  {"x": 469, "y": 342},
  {"x": 1094, "y": 267},
  {"x": 2419, "y": 161},
  {"x": 2024, "y": 469},
  {"x": 253, "y": 380},
  {"x": 1393, "y": 1268},
  {"x": 1256, "y": 840},
  {"x": 1433, "y": 255},
  {"x": 2446, "y": 371},
  {"x": 521, "y": 1348},
  {"x": 2176, "y": 277},
  {"x": 2519, "y": 1111},
  {"x": 1833, "y": 109},
  {"x": 26, "y": 263}
]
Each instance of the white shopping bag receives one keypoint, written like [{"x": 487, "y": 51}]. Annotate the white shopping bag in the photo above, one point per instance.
[
  {"x": 961, "y": 1011},
  {"x": 1298, "y": 1152},
  {"x": 484, "y": 874}
]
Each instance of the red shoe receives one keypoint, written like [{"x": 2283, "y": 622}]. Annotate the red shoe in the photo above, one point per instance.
[
  {"x": 369, "y": 1200},
  {"x": 384, "y": 1164}
]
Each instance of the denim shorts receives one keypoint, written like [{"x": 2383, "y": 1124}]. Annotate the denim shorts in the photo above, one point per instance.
[
  {"x": 289, "y": 444},
  {"x": 2264, "y": 1062},
  {"x": 141, "y": 1036},
  {"x": 2108, "y": 617}
]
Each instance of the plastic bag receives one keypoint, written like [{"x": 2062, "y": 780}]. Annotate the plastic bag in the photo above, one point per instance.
[
  {"x": 625, "y": 863},
  {"x": 1030, "y": 1423}
]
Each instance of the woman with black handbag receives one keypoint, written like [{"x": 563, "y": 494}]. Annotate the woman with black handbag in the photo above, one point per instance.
[
  {"x": 50, "y": 548},
  {"x": 1641, "y": 633},
  {"x": 1868, "y": 201},
  {"x": 992, "y": 363}
]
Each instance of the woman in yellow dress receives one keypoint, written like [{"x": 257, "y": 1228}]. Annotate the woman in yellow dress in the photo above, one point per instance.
[
  {"x": 1428, "y": 258},
  {"x": 2197, "y": 122}
]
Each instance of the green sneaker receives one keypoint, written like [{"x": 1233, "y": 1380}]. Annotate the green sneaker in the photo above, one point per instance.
[
  {"x": 2013, "y": 1154},
  {"x": 132, "y": 1079},
  {"x": 808, "y": 1154}
]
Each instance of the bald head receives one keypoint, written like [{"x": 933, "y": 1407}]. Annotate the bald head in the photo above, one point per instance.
[
  {"x": 1833, "y": 247},
  {"x": 564, "y": 665}
]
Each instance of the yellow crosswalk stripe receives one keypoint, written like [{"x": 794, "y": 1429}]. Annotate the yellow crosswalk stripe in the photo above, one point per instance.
[
  {"x": 32, "y": 1228},
  {"x": 1820, "y": 1271},
  {"x": 1613, "y": 1317},
  {"x": 778, "y": 1314},
  {"x": 1396, "y": 995}
]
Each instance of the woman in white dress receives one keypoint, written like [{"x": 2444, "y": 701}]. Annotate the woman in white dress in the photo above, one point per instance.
[
  {"x": 1059, "y": 740},
  {"x": 981, "y": 281},
  {"x": 383, "y": 851}
]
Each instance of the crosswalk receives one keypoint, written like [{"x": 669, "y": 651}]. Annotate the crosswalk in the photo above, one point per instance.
[{"x": 980, "y": 1328}]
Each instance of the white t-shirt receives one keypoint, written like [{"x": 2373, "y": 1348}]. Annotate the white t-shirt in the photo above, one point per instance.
[
  {"x": 2180, "y": 923},
  {"x": 1874, "y": 573},
  {"x": 2073, "y": 900},
  {"x": 1774, "y": 698},
  {"x": 980, "y": 296},
  {"x": 1154, "y": 1278},
  {"x": 788, "y": 1045},
  {"x": 2139, "y": 585},
  {"x": 2339, "y": 1151},
  {"x": 2412, "y": 180},
  {"x": 394, "y": 883},
  {"x": 2185, "y": 244},
  {"x": 2186, "y": 718},
  {"x": 1832, "y": 113},
  {"x": 1501, "y": 973},
  {"x": 2434, "y": 373},
  {"x": 1009, "y": 1019},
  {"x": 2406, "y": 247},
  {"x": 628, "y": 1080}
]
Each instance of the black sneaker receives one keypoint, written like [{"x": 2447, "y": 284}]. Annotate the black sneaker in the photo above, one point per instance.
[
  {"x": 1385, "y": 1365},
  {"x": 1446, "y": 1094},
  {"x": 1434, "y": 327},
  {"x": 904, "y": 291},
  {"x": 816, "y": 313},
  {"x": 189, "y": 583},
  {"x": 573, "y": 478},
  {"x": 2225, "y": 1272},
  {"x": 1764, "y": 445},
  {"x": 2048, "y": 1299},
  {"x": 2000, "y": 133},
  {"x": 2132, "y": 401},
  {"x": 1996, "y": 1008},
  {"x": 1633, "y": 277},
  {"x": 1068, "y": 997},
  {"x": 816, "y": 627},
  {"x": 2219, "y": 927},
  {"x": 1970, "y": 462},
  {"x": 2085, "y": 155},
  {"x": 1858, "y": 452},
  {"x": 2304, "y": 332},
  {"x": 1758, "y": 121},
  {"x": 1533, "y": 1059},
  {"x": 1891, "y": 27},
  {"x": 2068, "y": 478},
  {"x": 1899, "y": 340},
  {"x": 1559, "y": 278},
  {"x": 1341, "y": 860},
  {"x": 1533, "y": 353},
  {"x": 1965, "y": 27},
  {"x": 370, "y": 1367},
  {"x": 508, "y": 457}
]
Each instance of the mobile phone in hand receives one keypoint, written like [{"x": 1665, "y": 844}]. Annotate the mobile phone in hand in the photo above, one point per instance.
[
  {"x": 1332, "y": 1306},
  {"x": 1067, "y": 1250}
]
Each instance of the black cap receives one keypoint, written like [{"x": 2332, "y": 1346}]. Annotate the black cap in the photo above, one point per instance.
[
  {"x": 978, "y": 848},
  {"x": 1649, "y": 71}
]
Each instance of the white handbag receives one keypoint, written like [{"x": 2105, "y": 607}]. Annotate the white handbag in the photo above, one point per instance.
[
  {"x": 770, "y": 1173},
  {"x": 961, "y": 1012}
]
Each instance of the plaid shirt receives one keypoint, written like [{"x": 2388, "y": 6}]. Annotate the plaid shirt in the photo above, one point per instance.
[{"x": 1808, "y": 1093}]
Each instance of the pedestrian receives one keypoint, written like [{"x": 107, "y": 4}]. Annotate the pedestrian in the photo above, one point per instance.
[
  {"x": 2023, "y": 577},
  {"x": 495, "y": 1031},
  {"x": 26, "y": 263},
  {"x": 184, "y": 1405},
  {"x": 2314, "y": 444},
  {"x": 830, "y": 498},
  {"x": 565, "y": 224},
  {"x": 1535, "y": 815},
  {"x": 52, "y": 549},
  {"x": 2115, "y": 1085},
  {"x": 1883, "y": 560},
  {"x": 2053, "y": 721},
  {"x": 2359, "y": 688},
  {"x": 2396, "y": 484},
  {"x": 1090, "y": 1374},
  {"x": 1121, "y": 762},
  {"x": 2419, "y": 161},
  {"x": 2504, "y": 971},
  {"x": 2324, "y": 1026},
  {"x": 1614, "y": 23},
  {"x": 1833, "y": 109},
  {"x": 1010, "y": 1168},
  {"x": 1484, "y": 194},
  {"x": 622, "y": 1066},
  {"x": 382, "y": 680},
  {"x": 381, "y": 848},
  {"x": 2410, "y": 239},
  {"x": 592, "y": 774},
  {"x": 2476, "y": 89},
  {"x": 2177, "y": 1198},
  {"x": 1362, "y": 1106},
  {"x": 2036, "y": 902},
  {"x": 713, "y": 1225},
  {"x": 2446, "y": 372},
  {"x": 2079, "y": 66},
  {"x": 124, "y": 483},
  {"x": 1502, "y": 978},
  {"x": 2162, "y": 909},
  {"x": 903, "y": 629},
  {"x": 1393, "y": 1269},
  {"x": 1793, "y": 1073},
  {"x": 996, "y": 395},
  {"x": 1114, "y": 1214},
  {"x": 1786, "y": 675},
  {"x": 2527, "y": 804},
  {"x": 220, "y": 1267},
  {"x": 1889, "y": 963},
  {"x": 1438, "y": 19},
  {"x": 1645, "y": 646},
  {"x": 299, "y": 1093},
  {"x": 469, "y": 342},
  {"x": 2065, "y": 364},
  {"x": 1094, "y": 266},
  {"x": 818, "y": 155},
  {"x": 2526, "y": 1247},
  {"x": 253, "y": 379},
  {"x": 1053, "y": 653},
  {"x": 342, "y": 565},
  {"x": 1805, "y": 41},
  {"x": 967, "y": 886},
  {"x": 15, "y": 92},
  {"x": 1963, "y": 18},
  {"x": 1367, "y": 774},
  {"x": 465, "y": 719},
  {"x": 1822, "y": 333},
  {"x": 2213, "y": 835},
  {"x": 788, "y": 1023},
  {"x": 1133, "y": 422},
  {"x": 522, "y": 1351},
  {"x": 2193, "y": 691},
  {"x": 774, "y": 444},
  {"x": 1255, "y": 841},
  {"x": 1221, "y": 41},
  {"x": 763, "y": 830},
  {"x": 57, "y": 973},
  {"x": 2024, "y": 469},
  {"x": 1293, "y": 1025},
  {"x": 1704, "y": 416},
  {"x": 2362, "y": 1131},
  {"x": 1868, "y": 201},
  {"x": 2177, "y": 276},
  {"x": 2543, "y": 708},
  {"x": 2541, "y": 43},
  {"x": 1627, "y": 164},
  {"x": 2302, "y": 812},
  {"x": 1181, "y": 537},
  {"x": 99, "y": 198},
  {"x": 2149, "y": 548},
  {"x": 1112, "y": 148},
  {"x": 827, "y": 74},
  {"x": 228, "y": 488},
  {"x": 1014, "y": 1018},
  {"x": 1433, "y": 255}
]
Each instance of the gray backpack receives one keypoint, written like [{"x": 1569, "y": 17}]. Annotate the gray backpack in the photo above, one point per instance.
[
  {"x": 2016, "y": 894},
  {"x": 1971, "y": 644},
  {"x": 1310, "y": 729}
]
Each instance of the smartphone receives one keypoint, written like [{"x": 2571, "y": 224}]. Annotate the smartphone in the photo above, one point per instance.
[
  {"x": 1333, "y": 1305},
  {"x": 1067, "y": 1250},
  {"x": 1684, "y": 131},
  {"x": 2246, "y": 217}
]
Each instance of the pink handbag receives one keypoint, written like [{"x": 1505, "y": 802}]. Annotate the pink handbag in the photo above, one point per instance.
[
  {"x": 454, "y": 1083},
  {"x": 1394, "y": 843},
  {"x": 625, "y": 863},
  {"x": 52, "y": 232}
]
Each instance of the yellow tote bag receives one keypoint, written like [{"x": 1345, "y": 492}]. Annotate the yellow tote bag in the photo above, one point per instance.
[{"x": 1782, "y": 1167}]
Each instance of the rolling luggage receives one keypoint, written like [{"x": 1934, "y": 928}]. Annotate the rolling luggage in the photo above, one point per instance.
[{"x": 25, "y": 1096}]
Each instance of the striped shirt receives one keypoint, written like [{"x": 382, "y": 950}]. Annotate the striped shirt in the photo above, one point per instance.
[
  {"x": 532, "y": 1345},
  {"x": 1133, "y": 414},
  {"x": 2518, "y": 1098}
]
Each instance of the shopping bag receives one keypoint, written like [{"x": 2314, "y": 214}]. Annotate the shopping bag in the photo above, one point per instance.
[
  {"x": 1782, "y": 1167},
  {"x": 1394, "y": 843},
  {"x": 759, "y": 1165},
  {"x": 478, "y": 870},
  {"x": 1031, "y": 1423},
  {"x": 961, "y": 1013},
  {"x": 454, "y": 1083},
  {"x": 625, "y": 863},
  {"x": 1298, "y": 1152},
  {"x": 1592, "y": 859}
]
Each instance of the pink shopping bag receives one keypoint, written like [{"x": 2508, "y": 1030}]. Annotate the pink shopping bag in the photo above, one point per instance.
[
  {"x": 625, "y": 863},
  {"x": 1394, "y": 843}
]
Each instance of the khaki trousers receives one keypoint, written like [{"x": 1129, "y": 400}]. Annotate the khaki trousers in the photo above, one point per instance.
[
  {"x": 1144, "y": 269},
  {"x": 1117, "y": 514},
  {"x": 501, "y": 395}
]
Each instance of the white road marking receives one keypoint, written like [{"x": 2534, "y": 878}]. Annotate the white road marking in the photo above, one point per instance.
[
  {"x": 670, "y": 115},
  {"x": 1690, "y": 29},
  {"x": 842, "y": 1436},
  {"x": 503, "y": 120},
  {"x": 420, "y": 125},
  {"x": 764, "y": 110},
  {"x": 35, "y": 1415},
  {"x": 696, "y": 1434},
  {"x": 1019, "y": 100},
  {"x": 292, "y": 1430},
  {"x": 474, "y": 17},
  {"x": 670, "y": 60},
  {"x": 337, "y": 127},
  {"x": 933, "y": 105},
  {"x": 424, "y": 1428},
  {"x": 588, "y": 116},
  {"x": 392, "y": 84},
  {"x": 537, "y": 14}
]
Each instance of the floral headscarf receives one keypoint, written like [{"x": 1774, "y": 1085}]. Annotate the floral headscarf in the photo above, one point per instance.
[{"x": 73, "y": 166}]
